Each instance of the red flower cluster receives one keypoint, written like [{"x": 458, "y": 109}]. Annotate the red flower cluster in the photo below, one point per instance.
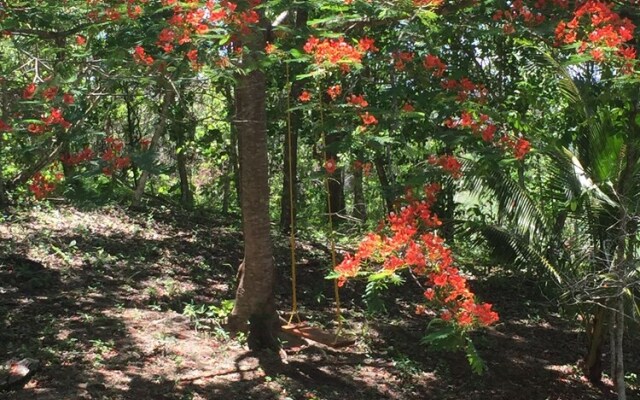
[
  {"x": 448, "y": 163},
  {"x": 368, "y": 119},
  {"x": 113, "y": 156},
  {"x": 482, "y": 126},
  {"x": 29, "y": 91},
  {"x": 68, "y": 98},
  {"x": 520, "y": 146},
  {"x": 50, "y": 93},
  {"x": 364, "y": 167},
  {"x": 400, "y": 59},
  {"x": 357, "y": 100},
  {"x": 407, "y": 241},
  {"x": 166, "y": 39},
  {"x": 334, "y": 91},
  {"x": 141, "y": 57},
  {"x": 41, "y": 186},
  {"x": 55, "y": 117},
  {"x": 408, "y": 107},
  {"x": 466, "y": 89},
  {"x": 367, "y": 45},
  {"x": 597, "y": 28},
  {"x": 77, "y": 158},
  {"x": 4, "y": 127},
  {"x": 518, "y": 10},
  {"x": 305, "y": 96},
  {"x": 434, "y": 64},
  {"x": 330, "y": 165},
  {"x": 134, "y": 10},
  {"x": 36, "y": 129},
  {"x": 336, "y": 52}
]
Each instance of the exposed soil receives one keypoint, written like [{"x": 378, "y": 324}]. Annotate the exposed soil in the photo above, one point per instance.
[{"x": 99, "y": 297}]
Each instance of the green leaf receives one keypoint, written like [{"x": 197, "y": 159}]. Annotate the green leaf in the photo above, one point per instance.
[
  {"x": 477, "y": 364},
  {"x": 379, "y": 276},
  {"x": 439, "y": 336},
  {"x": 332, "y": 275},
  {"x": 296, "y": 53}
]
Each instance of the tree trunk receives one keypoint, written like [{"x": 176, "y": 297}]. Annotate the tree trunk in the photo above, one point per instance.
[
  {"x": 336, "y": 204},
  {"x": 448, "y": 212},
  {"x": 359, "y": 202},
  {"x": 294, "y": 121},
  {"x": 290, "y": 169},
  {"x": 233, "y": 144},
  {"x": 387, "y": 190},
  {"x": 131, "y": 129},
  {"x": 619, "y": 350},
  {"x": 68, "y": 170},
  {"x": 186, "y": 196},
  {"x": 181, "y": 125},
  {"x": 168, "y": 94},
  {"x": 3, "y": 115},
  {"x": 255, "y": 302},
  {"x": 595, "y": 338}
]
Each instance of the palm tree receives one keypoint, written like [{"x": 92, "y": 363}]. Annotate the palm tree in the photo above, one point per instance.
[{"x": 582, "y": 230}]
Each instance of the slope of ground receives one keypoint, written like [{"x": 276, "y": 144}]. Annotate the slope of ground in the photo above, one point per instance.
[{"x": 119, "y": 305}]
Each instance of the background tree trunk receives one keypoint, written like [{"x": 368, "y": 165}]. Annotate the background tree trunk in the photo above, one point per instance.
[
  {"x": 186, "y": 196},
  {"x": 336, "y": 180},
  {"x": 359, "y": 201},
  {"x": 131, "y": 128},
  {"x": 290, "y": 150},
  {"x": 169, "y": 95},
  {"x": 387, "y": 190},
  {"x": 233, "y": 144},
  {"x": 290, "y": 169}
]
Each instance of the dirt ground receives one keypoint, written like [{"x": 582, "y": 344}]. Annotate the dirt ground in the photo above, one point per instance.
[{"x": 122, "y": 305}]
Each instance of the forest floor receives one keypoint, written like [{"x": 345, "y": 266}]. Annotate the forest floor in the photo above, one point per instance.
[{"x": 123, "y": 305}]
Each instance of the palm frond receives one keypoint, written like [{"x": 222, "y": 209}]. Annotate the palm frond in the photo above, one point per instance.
[
  {"x": 524, "y": 252},
  {"x": 513, "y": 201}
]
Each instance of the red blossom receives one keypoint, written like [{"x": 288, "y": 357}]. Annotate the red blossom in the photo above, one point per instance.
[
  {"x": 357, "y": 100},
  {"x": 334, "y": 91},
  {"x": 29, "y": 91},
  {"x": 367, "y": 44},
  {"x": 50, "y": 93},
  {"x": 401, "y": 58},
  {"x": 407, "y": 107},
  {"x": 141, "y": 57},
  {"x": 67, "y": 98},
  {"x": 521, "y": 148},
  {"x": 407, "y": 241},
  {"x": 434, "y": 64},
  {"x": 41, "y": 186},
  {"x": 36, "y": 129},
  {"x": 368, "y": 119},
  {"x": 305, "y": 96},
  {"x": 270, "y": 48},
  {"x": 333, "y": 52},
  {"x": 330, "y": 165},
  {"x": 4, "y": 127}
]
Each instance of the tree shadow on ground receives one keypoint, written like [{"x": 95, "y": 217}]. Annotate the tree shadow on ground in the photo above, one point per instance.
[
  {"x": 529, "y": 347},
  {"x": 106, "y": 320}
]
